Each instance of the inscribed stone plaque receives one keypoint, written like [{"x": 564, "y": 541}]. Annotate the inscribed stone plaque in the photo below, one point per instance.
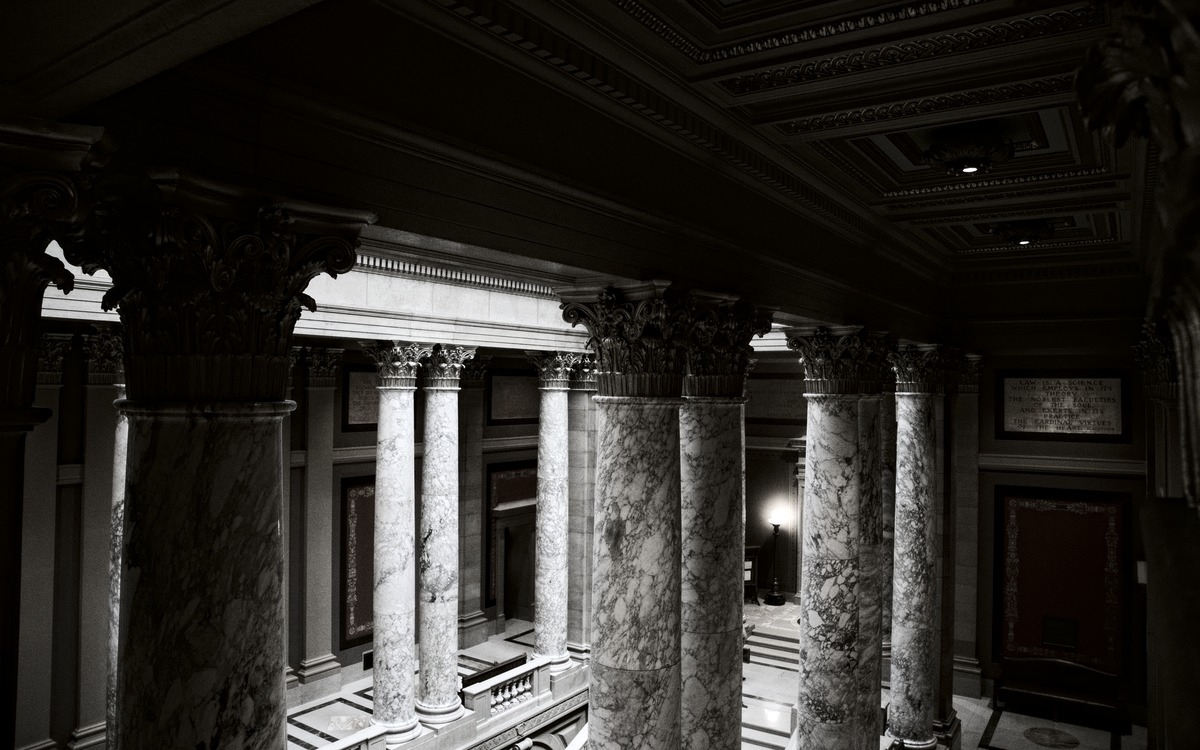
[
  {"x": 775, "y": 400},
  {"x": 1065, "y": 406},
  {"x": 362, "y": 400}
]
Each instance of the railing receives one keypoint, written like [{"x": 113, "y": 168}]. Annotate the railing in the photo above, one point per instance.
[{"x": 500, "y": 696}]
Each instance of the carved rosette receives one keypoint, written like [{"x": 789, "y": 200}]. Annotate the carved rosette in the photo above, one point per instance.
[
  {"x": 919, "y": 369},
  {"x": 719, "y": 354},
  {"x": 835, "y": 359},
  {"x": 105, "y": 353},
  {"x": 554, "y": 369},
  {"x": 398, "y": 361},
  {"x": 52, "y": 350},
  {"x": 443, "y": 366},
  {"x": 968, "y": 374},
  {"x": 474, "y": 372},
  {"x": 638, "y": 333},
  {"x": 323, "y": 366},
  {"x": 209, "y": 281},
  {"x": 583, "y": 374}
]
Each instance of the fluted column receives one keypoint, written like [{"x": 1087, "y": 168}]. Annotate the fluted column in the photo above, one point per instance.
[
  {"x": 104, "y": 365},
  {"x": 473, "y": 625},
  {"x": 830, "y": 699},
  {"x": 916, "y": 619},
  {"x": 207, "y": 328},
  {"x": 395, "y": 541},
  {"x": 582, "y": 482},
  {"x": 437, "y": 699},
  {"x": 712, "y": 441},
  {"x": 38, "y": 202},
  {"x": 637, "y": 331},
  {"x": 550, "y": 588},
  {"x": 33, "y": 697}
]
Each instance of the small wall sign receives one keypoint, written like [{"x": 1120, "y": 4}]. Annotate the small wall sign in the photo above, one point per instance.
[{"x": 1054, "y": 405}]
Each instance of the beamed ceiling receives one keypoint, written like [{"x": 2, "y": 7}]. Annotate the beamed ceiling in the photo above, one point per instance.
[{"x": 765, "y": 147}]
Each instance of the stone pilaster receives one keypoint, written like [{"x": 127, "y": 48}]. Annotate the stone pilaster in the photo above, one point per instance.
[
  {"x": 713, "y": 503},
  {"x": 473, "y": 625},
  {"x": 638, "y": 333},
  {"x": 964, "y": 488},
  {"x": 832, "y": 593},
  {"x": 946, "y": 726},
  {"x": 916, "y": 619},
  {"x": 317, "y": 662},
  {"x": 207, "y": 329},
  {"x": 39, "y": 187},
  {"x": 551, "y": 567},
  {"x": 33, "y": 696},
  {"x": 98, "y": 623},
  {"x": 438, "y": 702},
  {"x": 581, "y": 439},
  {"x": 1155, "y": 358},
  {"x": 395, "y": 540}
]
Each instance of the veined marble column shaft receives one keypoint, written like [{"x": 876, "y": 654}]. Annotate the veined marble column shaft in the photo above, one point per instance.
[
  {"x": 437, "y": 699},
  {"x": 870, "y": 603},
  {"x": 582, "y": 483},
  {"x": 915, "y": 617},
  {"x": 713, "y": 491},
  {"x": 395, "y": 542},
  {"x": 551, "y": 563},
  {"x": 120, "y": 459},
  {"x": 211, "y": 475},
  {"x": 887, "y": 472}
]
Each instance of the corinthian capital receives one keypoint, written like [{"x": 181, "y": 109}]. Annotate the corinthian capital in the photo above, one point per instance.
[
  {"x": 719, "y": 352},
  {"x": 554, "y": 368},
  {"x": 919, "y": 369},
  {"x": 209, "y": 281},
  {"x": 835, "y": 359},
  {"x": 398, "y": 361},
  {"x": 443, "y": 365}
]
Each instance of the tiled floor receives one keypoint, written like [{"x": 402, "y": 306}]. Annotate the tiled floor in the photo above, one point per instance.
[{"x": 982, "y": 725}]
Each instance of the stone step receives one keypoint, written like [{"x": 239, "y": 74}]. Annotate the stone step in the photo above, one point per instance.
[{"x": 756, "y": 738}]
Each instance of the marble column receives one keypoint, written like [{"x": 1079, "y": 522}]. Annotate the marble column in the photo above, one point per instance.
[
  {"x": 712, "y": 441},
  {"x": 870, "y": 535},
  {"x": 290, "y": 679},
  {"x": 830, "y": 701},
  {"x": 41, "y": 202},
  {"x": 33, "y": 697},
  {"x": 551, "y": 562},
  {"x": 395, "y": 541},
  {"x": 639, "y": 331},
  {"x": 202, "y": 569},
  {"x": 473, "y": 625},
  {"x": 438, "y": 702},
  {"x": 887, "y": 485},
  {"x": 120, "y": 453},
  {"x": 317, "y": 662},
  {"x": 103, "y": 352},
  {"x": 581, "y": 440},
  {"x": 916, "y": 618}
]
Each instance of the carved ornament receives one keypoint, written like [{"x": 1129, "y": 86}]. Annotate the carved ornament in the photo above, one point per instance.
[
  {"x": 52, "y": 351},
  {"x": 474, "y": 372},
  {"x": 719, "y": 354},
  {"x": 105, "y": 352},
  {"x": 1154, "y": 355},
  {"x": 209, "y": 281},
  {"x": 554, "y": 368},
  {"x": 443, "y": 366},
  {"x": 837, "y": 360},
  {"x": 398, "y": 361},
  {"x": 323, "y": 365},
  {"x": 583, "y": 374},
  {"x": 919, "y": 369}
]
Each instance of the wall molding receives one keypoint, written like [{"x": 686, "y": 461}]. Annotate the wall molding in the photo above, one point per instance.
[
  {"x": 1061, "y": 465},
  {"x": 365, "y": 454}
]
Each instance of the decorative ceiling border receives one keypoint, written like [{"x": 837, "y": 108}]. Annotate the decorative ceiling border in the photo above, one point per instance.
[
  {"x": 1000, "y": 247},
  {"x": 693, "y": 51},
  {"x": 368, "y": 261},
  {"x": 950, "y": 187},
  {"x": 1069, "y": 208},
  {"x": 1035, "y": 87},
  {"x": 933, "y": 202},
  {"x": 941, "y": 45},
  {"x": 535, "y": 39}
]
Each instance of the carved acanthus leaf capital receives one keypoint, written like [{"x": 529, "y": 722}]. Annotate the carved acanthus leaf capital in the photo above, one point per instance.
[
  {"x": 719, "y": 352},
  {"x": 968, "y": 374},
  {"x": 1155, "y": 357},
  {"x": 919, "y": 369},
  {"x": 105, "y": 353},
  {"x": 323, "y": 366},
  {"x": 583, "y": 374},
  {"x": 52, "y": 351},
  {"x": 474, "y": 372},
  {"x": 398, "y": 361},
  {"x": 836, "y": 360},
  {"x": 554, "y": 368},
  {"x": 638, "y": 332},
  {"x": 209, "y": 280},
  {"x": 443, "y": 366}
]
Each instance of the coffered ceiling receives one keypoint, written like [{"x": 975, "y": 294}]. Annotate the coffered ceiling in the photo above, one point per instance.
[{"x": 776, "y": 148}]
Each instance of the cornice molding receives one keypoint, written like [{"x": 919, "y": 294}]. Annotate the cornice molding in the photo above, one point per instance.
[
  {"x": 692, "y": 49},
  {"x": 936, "y": 201},
  {"x": 941, "y": 45},
  {"x": 1035, "y": 87},
  {"x": 379, "y": 263},
  {"x": 999, "y": 182},
  {"x": 1018, "y": 211}
]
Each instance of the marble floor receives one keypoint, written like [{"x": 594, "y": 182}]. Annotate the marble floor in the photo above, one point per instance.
[{"x": 772, "y": 673}]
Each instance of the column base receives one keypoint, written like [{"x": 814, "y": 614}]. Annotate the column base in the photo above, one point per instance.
[
  {"x": 581, "y": 651},
  {"x": 401, "y": 733},
  {"x": 437, "y": 716},
  {"x": 472, "y": 629},
  {"x": 93, "y": 735},
  {"x": 318, "y": 668},
  {"x": 900, "y": 744},
  {"x": 558, "y": 662},
  {"x": 948, "y": 732}
]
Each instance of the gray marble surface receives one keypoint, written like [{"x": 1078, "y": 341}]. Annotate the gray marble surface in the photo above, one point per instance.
[
  {"x": 915, "y": 619},
  {"x": 120, "y": 458},
  {"x": 712, "y": 490},
  {"x": 550, "y": 593},
  {"x": 395, "y": 571},
  {"x": 870, "y": 599},
  {"x": 437, "y": 698},
  {"x": 635, "y": 687},
  {"x": 200, "y": 661},
  {"x": 887, "y": 471},
  {"x": 829, "y": 578},
  {"x": 582, "y": 483}
]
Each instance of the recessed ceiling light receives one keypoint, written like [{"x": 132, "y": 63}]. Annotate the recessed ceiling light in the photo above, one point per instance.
[
  {"x": 969, "y": 170},
  {"x": 1023, "y": 242}
]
